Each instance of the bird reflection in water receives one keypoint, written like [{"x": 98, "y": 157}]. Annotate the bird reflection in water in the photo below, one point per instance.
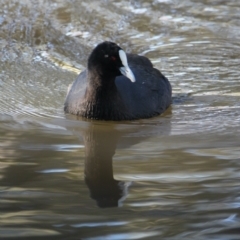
[
  {"x": 100, "y": 146},
  {"x": 101, "y": 139}
]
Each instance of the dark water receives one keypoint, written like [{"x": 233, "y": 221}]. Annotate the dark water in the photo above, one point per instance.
[{"x": 171, "y": 177}]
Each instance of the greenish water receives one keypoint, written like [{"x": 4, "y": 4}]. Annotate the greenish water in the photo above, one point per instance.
[{"x": 171, "y": 177}]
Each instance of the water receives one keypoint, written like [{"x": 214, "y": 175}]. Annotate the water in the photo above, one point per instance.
[{"x": 174, "y": 176}]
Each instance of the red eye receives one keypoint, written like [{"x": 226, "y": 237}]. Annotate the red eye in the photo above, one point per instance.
[{"x": 113, "y": 58}]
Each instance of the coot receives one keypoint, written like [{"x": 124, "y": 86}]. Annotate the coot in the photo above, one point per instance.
[{"x": 118, "y": 86}]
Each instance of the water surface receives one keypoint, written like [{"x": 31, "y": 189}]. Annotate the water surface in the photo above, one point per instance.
[{"x": 174, "y": 176}]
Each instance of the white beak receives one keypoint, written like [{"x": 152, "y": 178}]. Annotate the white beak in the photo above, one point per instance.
[{"x": 125, "y": 70}]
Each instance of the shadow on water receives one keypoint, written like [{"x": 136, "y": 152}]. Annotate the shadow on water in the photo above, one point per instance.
[{"x": 101, "y": 140}]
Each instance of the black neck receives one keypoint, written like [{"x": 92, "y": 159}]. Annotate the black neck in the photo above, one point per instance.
[{"x": 102, "y": 98}]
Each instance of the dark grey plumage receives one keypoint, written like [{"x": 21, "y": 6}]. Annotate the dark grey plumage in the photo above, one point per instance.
[{"x": 102, "y": 92}]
